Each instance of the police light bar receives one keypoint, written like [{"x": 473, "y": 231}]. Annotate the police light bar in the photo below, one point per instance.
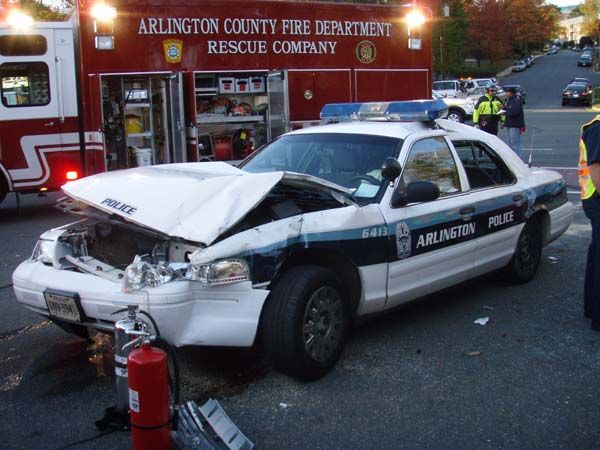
[{"x": 408, "y": 111}]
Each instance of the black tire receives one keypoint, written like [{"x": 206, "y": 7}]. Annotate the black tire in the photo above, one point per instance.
[
  {"x": 3, "y": 190},
  {"x": 563, "y": 103},
  {"x": 296, "y": 344},
  {"x": 528, "y": 254},
  {"x": 456, "y": 115}
]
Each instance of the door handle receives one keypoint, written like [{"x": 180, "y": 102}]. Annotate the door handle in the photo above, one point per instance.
[
  {"x": 49, "y": 124},
  {"x": 467, "y": 210},
  {"x": 518, "y": 199}
]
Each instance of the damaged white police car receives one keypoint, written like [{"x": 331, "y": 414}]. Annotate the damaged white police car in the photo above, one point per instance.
[{"x": 319, "y": 227}]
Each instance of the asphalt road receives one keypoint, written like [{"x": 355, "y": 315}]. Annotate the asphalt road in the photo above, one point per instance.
[{"x": 425, "y": 376}]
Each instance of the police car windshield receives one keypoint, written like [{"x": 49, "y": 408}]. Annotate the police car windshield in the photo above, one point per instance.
[{"x": 349, "y": 160}]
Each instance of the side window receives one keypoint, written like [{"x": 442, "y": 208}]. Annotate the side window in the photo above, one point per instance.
[
  {"x": 23, "y": 45},
  {"x": 431, "y": 160},
  {"x": 24, "y": 84},
  {"x": 483, "y": 166}
]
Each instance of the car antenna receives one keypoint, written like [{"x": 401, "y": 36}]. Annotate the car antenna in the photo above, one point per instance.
[{"x": 531, "y": 149}]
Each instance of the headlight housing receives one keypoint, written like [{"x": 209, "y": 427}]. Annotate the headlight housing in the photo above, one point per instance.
[
  {"x": 44, "y": 251},
  {"x": 219, "y": 272},
  {"x": 140, "y": 274}
]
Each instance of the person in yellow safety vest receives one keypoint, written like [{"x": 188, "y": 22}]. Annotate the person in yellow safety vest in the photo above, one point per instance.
[
  {"x": 487, "y": 112},
  {"x": 589, "y": 180}
]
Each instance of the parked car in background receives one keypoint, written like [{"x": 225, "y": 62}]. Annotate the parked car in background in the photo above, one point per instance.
[
  {"x": 449, "y": 88},
  {"x": 552, "y": 51},
  {"x": 471, "y": 85},
  {"x": 459, "y": 109},
  {"x": 519, "y": 66},
  {"x": 520, "y": 91},
  {"x": 529, "y": 60},
  {"x": 576, "y": 49},
  {"x": 584, "y": 60},
  {"x": 577, "y": 93}
]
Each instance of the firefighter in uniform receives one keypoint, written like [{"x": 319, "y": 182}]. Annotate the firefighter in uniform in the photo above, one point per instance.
[
  {"x": 486, "y": 114},
  {"x": 589, "y": 180}
]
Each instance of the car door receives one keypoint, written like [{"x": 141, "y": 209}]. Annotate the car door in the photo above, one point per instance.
[
  {"x": 499, "y": 202},
  {"x": 431, "y": 244}
]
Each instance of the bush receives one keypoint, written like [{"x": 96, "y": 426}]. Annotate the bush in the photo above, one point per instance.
[{"x": 596, "y": 100}]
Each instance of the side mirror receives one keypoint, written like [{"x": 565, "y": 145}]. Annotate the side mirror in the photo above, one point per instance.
[
  {"x": 416, "y": 192},
  {"x": 390, "y": 169}
]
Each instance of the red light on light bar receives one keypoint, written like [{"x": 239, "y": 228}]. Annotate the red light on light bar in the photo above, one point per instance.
[{"x": 71, "y": 175}]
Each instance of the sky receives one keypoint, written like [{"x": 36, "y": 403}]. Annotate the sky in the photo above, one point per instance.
[{"x": 565, "y": 2}]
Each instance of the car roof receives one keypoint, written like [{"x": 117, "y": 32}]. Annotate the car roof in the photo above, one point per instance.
[
  {"x": 580, "y": 80},
  {"x": 399, "y": 130},
  {"x": 576, "y": 85}
]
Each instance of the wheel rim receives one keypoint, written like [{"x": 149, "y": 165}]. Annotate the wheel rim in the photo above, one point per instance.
[
  {"x": 323, "y": 323},
  {"x": 454, "y": 117},
  {"x": 527, "y": 253}
]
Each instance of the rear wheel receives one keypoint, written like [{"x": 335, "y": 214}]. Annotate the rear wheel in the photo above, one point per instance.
[
  {"x": 528, "y": 254},
  {"x": 306, "y": 322}
]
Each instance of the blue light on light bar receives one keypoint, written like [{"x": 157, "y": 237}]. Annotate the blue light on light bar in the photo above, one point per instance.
[
  {"x": 340, "y": 111},
  {"x": 408, "y": 111}
]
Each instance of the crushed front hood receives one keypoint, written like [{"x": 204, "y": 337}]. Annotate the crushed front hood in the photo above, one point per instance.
[{"x": 193, "y": 201}]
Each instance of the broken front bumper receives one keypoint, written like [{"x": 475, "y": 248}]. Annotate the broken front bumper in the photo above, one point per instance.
[{"x": 186, "y": 312}]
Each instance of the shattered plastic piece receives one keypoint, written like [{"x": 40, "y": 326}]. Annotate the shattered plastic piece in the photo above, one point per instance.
[
  {"x": 283, "y": 405},
  {"x": 553, "y": 259},
  {"x": 474, "y": 353},
  {"x": 488, "y": 307},
  {"x": 482, "y": 321}
]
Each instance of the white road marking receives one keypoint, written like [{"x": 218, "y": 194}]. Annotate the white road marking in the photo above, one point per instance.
[
  {"x": 537, "y": 149},
  {"x": 561, "y": 168}
]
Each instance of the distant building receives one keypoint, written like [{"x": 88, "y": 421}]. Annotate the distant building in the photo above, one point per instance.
[{"x": 571, "y": 29}]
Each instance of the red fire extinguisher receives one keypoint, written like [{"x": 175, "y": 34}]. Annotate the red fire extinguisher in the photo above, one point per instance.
[{"x": 149, "y": 398}]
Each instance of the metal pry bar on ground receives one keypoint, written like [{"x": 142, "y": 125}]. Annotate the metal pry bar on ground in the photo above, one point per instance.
[{"x": 207, "y": 428}]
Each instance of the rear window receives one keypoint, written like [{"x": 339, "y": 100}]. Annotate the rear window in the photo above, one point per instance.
[
  {"x": 23, "y": 45},
  {"x": 576, "y": 87},
  {"x": 444, "y": 85}
]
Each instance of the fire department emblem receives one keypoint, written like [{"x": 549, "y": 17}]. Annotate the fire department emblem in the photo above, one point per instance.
[
  {"x": 403, "y": 241},
  {"x": 366, "y": 52},
  {"x": 173, "y": 49}
]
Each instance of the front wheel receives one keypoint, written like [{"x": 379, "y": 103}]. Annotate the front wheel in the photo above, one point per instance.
[
  {"x": 306, "y": 322},
  {"x": 528, "y": 254},
  {"x": 456, "y": 115}
]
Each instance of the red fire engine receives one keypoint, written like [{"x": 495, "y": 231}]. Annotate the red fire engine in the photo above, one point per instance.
[{"x": 151, "y": 82}]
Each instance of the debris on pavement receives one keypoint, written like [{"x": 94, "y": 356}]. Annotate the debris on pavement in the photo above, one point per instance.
[
  {"x": 474, "y": 353},
  {"x": 283, "y": 405},
  {"x": 482, "y": 321},
  {"x": 489, "y": 308},
  {"x": 553, "y": 259}
]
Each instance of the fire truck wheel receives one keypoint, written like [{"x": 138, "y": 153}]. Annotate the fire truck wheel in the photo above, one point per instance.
[
  {"x": 3, "y": 190},
  {"x": 528, "y": 254},
  {"x": 306, "y": 322}
]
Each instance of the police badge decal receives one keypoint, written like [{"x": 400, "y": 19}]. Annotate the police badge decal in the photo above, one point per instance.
[
  {"x": 366, "y": 52},
  {"x": 403, "y": 241}
]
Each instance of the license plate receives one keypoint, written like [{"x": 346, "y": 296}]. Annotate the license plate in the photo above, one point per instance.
[
  {"x": 575, "y": 95},
  {"x": 64, "y": 306}
]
